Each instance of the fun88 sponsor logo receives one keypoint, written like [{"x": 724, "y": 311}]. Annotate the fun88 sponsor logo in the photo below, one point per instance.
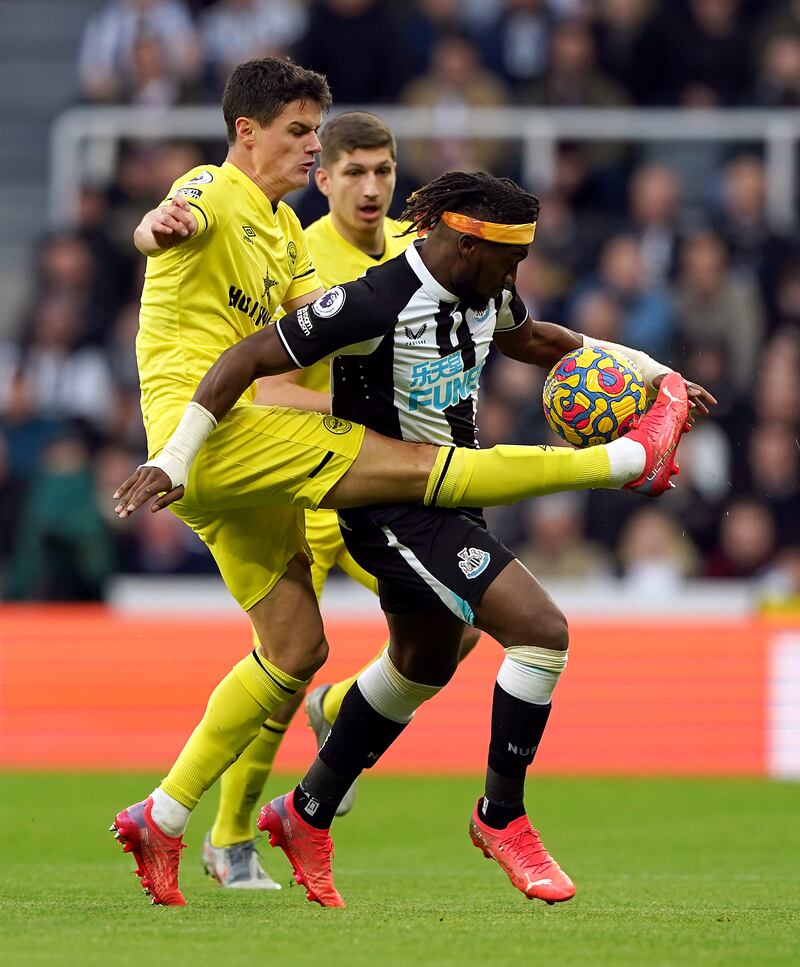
[{"x": 443, "y": 382}]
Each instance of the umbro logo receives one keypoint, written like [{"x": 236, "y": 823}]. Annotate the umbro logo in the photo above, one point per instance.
[
  {"x": 413, "y": 335},
  {"x": 248, "y": 234}
]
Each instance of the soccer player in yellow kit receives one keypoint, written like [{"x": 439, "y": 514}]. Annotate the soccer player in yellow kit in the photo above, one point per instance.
[
  {"x": 357, "y": 174},
  {"x": 223, "y": 253}
]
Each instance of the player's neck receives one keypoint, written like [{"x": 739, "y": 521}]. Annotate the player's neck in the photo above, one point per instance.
[
  {"x": 273, "y": 192},
  {"x": 370, "y": 241}
]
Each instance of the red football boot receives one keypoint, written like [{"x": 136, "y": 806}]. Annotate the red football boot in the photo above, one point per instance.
[
  {"x": 157, "y": 855},
  {"x": 520, "y": 852},
  {"x": 309, "y": 850},
  {"x": 659, "y": 431}
]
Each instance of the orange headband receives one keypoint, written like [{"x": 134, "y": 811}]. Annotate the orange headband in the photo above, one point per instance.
[{"x": 491, "y": 231}]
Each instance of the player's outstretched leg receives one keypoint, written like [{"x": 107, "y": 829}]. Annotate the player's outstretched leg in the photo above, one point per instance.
[
  {"x": 309, "y": 850},
  {"x": 157, "y": 855},
  {"x": 659, "y": 431}
]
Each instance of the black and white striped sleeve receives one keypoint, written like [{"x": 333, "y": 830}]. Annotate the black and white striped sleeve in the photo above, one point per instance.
[
  {"x": 348, "y": 319},
  {"x": 511, "y": 311}
]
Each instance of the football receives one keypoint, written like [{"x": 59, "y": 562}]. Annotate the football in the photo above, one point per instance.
[{"x": 592, "y": 396}]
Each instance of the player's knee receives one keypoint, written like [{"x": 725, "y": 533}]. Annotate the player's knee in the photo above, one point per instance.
[
  {"x": 300, "y": 659},
  {"x": 424, "y": 667},
  {"x": 548, "y": 629},
  {"x": 470, "y": 637}
]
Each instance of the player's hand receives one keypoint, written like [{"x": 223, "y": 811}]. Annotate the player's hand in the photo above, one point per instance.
[
  {"x": 173, "y": 222},
  {"x": 144, "y": 483},
  {"x": 699, "y": 398}
]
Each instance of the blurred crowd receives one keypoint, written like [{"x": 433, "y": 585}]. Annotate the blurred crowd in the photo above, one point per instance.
[{"x": 668, "y": 250}]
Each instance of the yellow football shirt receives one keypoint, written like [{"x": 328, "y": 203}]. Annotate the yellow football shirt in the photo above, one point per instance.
[
  {"x": 210, "y": 292},
  {"x": 337, "y": 260}
]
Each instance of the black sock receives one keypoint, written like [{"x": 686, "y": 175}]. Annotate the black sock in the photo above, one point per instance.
[
  {"x": 359, "y": 737},
  {"x": 498, "y": 815},
  {"x": 517, "y": 729}
]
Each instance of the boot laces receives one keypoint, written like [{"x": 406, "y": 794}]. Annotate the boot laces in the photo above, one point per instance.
[{"x": 527, "y": 847}]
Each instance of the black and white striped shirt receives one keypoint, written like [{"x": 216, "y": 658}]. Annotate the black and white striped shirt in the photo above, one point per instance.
[{"x": 409, "y": 354}]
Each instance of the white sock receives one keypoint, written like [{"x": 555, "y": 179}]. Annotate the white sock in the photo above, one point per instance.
[
  {"x": 168, "y": 814},
  {"x": 627, "y": 460}
]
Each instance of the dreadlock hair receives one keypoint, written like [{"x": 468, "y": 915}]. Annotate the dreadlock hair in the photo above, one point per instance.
[{"x": 477, "y": 194}]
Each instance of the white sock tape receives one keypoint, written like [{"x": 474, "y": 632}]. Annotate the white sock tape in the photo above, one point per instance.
[
  {"x": 392, "y": 694},
  {"x": 531, "y": 674}
]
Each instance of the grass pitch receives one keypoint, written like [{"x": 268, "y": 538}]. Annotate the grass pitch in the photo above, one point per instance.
[{"x": 669, "y": 872}]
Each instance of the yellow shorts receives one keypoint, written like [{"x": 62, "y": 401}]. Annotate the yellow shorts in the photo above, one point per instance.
[
  {"x": 251, "y": 482},
  {"x": 325, "y": 538}
]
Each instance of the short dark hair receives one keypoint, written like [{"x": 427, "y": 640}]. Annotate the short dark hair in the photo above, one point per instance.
[
  {"x": 261, "y": 89},
  {"x": 353, "y": 130},
  {"x": 477, "y": 194}
]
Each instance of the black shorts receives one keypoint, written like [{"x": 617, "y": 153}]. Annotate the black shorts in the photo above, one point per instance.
[{"x": 425, "y": 557}]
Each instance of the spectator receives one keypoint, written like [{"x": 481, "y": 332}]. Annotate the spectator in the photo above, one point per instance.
[
  {"x": 597, "y": 313},
  {"x": 646, "y": 311},
  {"x": 428, "y": 21},
  {"x": 786, "y": 308},
  {"x": 63, "y": 551},
  {"x": 707, "y": 363},
  {"x": 757, "y": 252},
  {"x": 573, "y": 77},
  {"x": 151, "y": 79},
  {"x": 746, "y": 545},
  {"x": 515, "y": 44},
  {"x": 110, "y": 38},
  {"x": 654, "y": 212},
  {"x": 712, "y": 304},
  {"x": 555, "y": 546},
  {"x": 778, "y": 80},
  {"x": 775, "y": 389},
  {"x": 64, "y": 379},
  {"x": 774, "y": 476},
  {"x": 655, "y": 557},
  {"x": 355, "y": 44},
  {"x": 455, "y": 83},
  {"x": 694, "y": 53},
  {"x": 235, "y": 31},
  {"x": 12, "y": 491},
  {"x": 618, "y": 26}
]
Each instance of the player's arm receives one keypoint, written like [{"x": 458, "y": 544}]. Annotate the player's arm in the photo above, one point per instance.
[
  {"x": 284, "y": 389},
  {"x": 352, "y": 321},
  {"x": 165, "y": 227},
  {"x": 544, "y": 343}
]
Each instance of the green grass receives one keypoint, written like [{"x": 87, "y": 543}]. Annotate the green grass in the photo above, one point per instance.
[{"x": 669, "y": 872}]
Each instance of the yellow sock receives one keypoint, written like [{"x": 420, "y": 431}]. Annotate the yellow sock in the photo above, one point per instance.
[
  {"x": 505, "y": 474},
  {"x": 333, "y": 698},
  {"x": 235, "y": 712},
  {"x": 241, "y": 786}
]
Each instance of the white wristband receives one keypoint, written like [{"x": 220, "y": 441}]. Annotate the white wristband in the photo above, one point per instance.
[
  {"x": 647, "y": 366},
  {"x": 177, "y": 457}
]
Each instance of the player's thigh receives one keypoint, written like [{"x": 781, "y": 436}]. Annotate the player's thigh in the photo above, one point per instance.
[
  {"x": 325, "y": 539},
  {"x": 252, "y": 546},
  {"x": 425, "y": 557},
  {"x": 516, "y": 610},
  {"x": 288, "y": 623},
  {"x": 385, "y": 470},
  {"x": 425, "y": 646},
  {"x": 261, "y": 455},
  {"x": 327, "y": 545}
]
